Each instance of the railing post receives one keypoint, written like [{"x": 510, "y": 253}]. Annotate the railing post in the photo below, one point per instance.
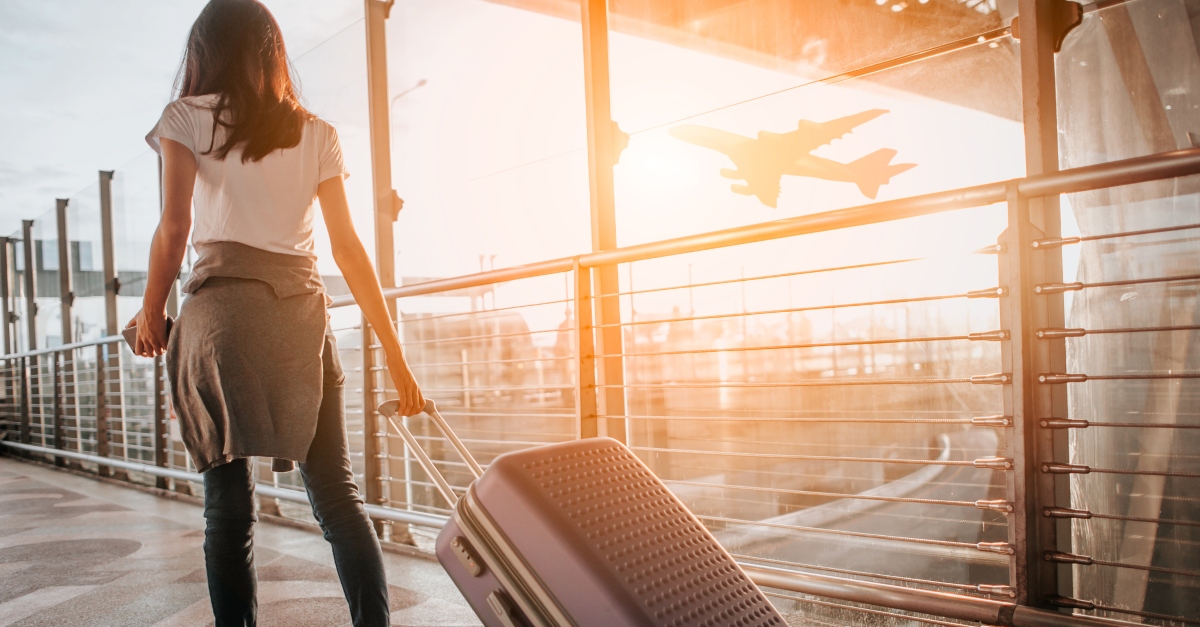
[
  {"x": 30, "y": 284},
  {"x": 26, "y": 411},
  {"x": 1043, "y": 25},
  {"x": 101, "y": 409},
  {"x": 387, "y": 203},
  {"x": 112, "y": 286},
  {"x": 162, "y": 430},
  {"x": 372, "y": 464},
  {"x": 56, "y": 409},
  {"x": 603, "y": 153},
  {"x": 112, "y": 324},
  {"x": 6, "y": 313},
  {"x": 585, "y": 354},
  {"x": 66, "y": 292},
  {"x": 1022, "y": 313}
]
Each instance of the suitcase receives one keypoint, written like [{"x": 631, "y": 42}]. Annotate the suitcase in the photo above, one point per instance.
[{"x": 582, "y": 533}]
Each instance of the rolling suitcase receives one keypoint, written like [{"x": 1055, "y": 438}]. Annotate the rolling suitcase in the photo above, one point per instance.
[{"x": 582, "y": 533}]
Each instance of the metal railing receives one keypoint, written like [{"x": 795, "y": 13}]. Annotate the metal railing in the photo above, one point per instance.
[{"x": 879, "y": 445}]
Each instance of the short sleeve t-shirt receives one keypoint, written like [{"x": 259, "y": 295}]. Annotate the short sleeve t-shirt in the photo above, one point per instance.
[{"x": 267, "y": 204}]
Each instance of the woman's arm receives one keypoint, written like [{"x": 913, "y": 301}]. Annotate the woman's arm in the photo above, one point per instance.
[
  {"x": 167, "y": 247},
  {"x": 356, "y": 267}
]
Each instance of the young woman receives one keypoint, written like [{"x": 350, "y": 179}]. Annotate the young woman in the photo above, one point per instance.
[{"x": 253, "y": 368}]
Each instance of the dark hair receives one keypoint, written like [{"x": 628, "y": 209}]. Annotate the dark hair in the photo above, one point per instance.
[{"x": 235, "y": 51}]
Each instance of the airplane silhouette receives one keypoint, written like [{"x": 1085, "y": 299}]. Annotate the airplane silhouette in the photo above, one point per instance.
[{"x": 762, "y": 162}]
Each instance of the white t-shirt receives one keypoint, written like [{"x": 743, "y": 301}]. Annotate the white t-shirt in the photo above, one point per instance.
[{"x": 267, "y": 204}]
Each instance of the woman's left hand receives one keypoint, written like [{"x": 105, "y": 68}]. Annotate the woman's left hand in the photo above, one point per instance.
[{"x": 151, "y": 333}]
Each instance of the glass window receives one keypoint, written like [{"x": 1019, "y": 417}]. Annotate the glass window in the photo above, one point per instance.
[
  {"x": 724, "y": 135},
  {"x": 136, "y": 212},
  {"x": 87, "y": 264},
  {"x": 1129, "y": 82},
  {"x": 489, "y": 139}
]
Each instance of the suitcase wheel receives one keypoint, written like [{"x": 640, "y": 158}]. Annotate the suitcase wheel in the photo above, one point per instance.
[{"x": 503, "y": 607}]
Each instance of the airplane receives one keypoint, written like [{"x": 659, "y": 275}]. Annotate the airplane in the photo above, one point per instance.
[{"x": 763, "y": 161}]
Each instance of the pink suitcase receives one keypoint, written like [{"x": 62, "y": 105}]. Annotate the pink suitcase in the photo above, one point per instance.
[{"x": 582, "y": 533}]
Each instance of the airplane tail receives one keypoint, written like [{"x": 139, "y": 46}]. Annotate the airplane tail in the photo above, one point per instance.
[{"x": 876, "y": 169}]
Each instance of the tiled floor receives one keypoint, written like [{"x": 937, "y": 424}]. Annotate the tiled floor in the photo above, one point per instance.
[{"x": 79, "y": 552}]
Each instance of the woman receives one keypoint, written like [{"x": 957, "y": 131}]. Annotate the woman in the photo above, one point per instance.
[{"x": 253, "y": 369}]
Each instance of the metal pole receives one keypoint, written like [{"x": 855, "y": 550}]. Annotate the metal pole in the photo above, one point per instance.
[
  {"x": 112, "y": 286},
  {"x": 1042, "y": 24},
  {"x": 112, "y": 324},
  {"x": 23, "y": 364},
  {"x": 387, "y": 203},
  {"x": 30, "y": 284},
  {"x": 5, "y": 294},
  {"x": 65, "y": 379},
  {"x": 101, "y": 409},
  {"x": 66, "y": 293},
  {"x": 372, "y": 463},
  {"x": 1022, "y": 313},
  {"x": 56, "y": 408},
  {"x": 162, "y": 430},
  {"x": 602, "y": 157},
  {"x": 585, "y": 355}
]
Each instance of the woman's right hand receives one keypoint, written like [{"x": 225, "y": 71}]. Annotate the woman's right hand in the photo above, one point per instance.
[
  {"x": 412, "y": 402},
  {"x": 151, "y": 333}
]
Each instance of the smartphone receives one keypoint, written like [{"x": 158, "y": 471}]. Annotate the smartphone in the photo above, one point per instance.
[{"x": 130, "y": 333}]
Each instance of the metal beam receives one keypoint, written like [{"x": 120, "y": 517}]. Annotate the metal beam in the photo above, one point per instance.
[
  {"x": 1022, "y": 312},
  {"x": 585, "y": 355},
  {"x": 1172, "y": 164},
  {"x": 66, "y": 293},
  {"x": 372, "y": 460},
  {"x": 111, "y": 286},
  {"x": 602, "y": 157},
  {"x": 162, "y": 429},
  {"x": 56, "y": 407},
  {"x": 962, "y": 607},
  {"x": 295, "y": 496},
  {"x": 1043, "y": 25},
  {"x": 30, "y": 284},
  {"x": 6, "y": 294},
  {"x": 102, "y": 408},
  {"x": 385, "y": 199}
]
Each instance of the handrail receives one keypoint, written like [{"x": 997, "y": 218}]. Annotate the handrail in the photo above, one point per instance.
[
  {"x": 64, "y": 347},
  {"x": 1114, "y": 173},
  {"x": 948, "y": 604},
  {"x": 296, "y": 496}
]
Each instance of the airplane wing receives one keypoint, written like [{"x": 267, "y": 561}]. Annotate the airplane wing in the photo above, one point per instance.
[
  {"x": 731, "y": 144},
  {"x": 765, "y": 188},
  {"x": 811, "y": 135}
]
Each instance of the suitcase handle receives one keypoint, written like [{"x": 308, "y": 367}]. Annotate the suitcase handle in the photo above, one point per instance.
[{"x": 388, "y": 410}]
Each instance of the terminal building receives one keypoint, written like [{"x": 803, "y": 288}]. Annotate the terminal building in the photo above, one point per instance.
[{"x": 900, "y": 297}]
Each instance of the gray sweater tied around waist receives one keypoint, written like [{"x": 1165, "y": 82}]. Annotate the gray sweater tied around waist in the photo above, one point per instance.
[{"x": 245, "y": 357}]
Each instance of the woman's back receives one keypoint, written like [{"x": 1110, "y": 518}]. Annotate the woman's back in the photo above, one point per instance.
[{"x": 267, "y": 204}]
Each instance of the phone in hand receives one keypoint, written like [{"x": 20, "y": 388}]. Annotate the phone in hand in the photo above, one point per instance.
[{"x": 130, "y": 333}]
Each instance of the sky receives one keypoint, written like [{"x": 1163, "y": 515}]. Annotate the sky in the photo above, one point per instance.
[
  {"x": 81, "y": 82},
  {"x": 488, "y": 127},
  {"x": 488, "y": 137}
]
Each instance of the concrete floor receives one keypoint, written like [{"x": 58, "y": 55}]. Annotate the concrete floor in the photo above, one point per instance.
[{"x": 80, "y": 552}]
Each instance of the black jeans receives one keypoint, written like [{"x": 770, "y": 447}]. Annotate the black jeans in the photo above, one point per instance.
[{"x": 329, "y": 480}]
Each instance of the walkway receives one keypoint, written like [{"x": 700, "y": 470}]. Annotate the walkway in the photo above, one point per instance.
[{"x": 80, "y": 552}]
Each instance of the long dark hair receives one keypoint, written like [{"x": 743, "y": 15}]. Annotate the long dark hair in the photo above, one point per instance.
[{"x": 235, "y": 51}]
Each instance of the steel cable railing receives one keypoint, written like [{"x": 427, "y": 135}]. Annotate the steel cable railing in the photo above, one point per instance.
[{"x": 499, "y": 406}]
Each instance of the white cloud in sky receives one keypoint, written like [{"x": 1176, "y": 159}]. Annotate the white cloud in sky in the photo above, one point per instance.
[{"x": 82, "y": 81}]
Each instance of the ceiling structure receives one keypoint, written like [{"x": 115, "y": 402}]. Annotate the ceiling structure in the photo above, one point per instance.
[{"x": 827, "y": 39}]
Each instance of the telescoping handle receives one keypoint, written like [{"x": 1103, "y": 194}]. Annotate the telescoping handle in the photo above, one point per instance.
[{"x": 388, "y": 410}]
